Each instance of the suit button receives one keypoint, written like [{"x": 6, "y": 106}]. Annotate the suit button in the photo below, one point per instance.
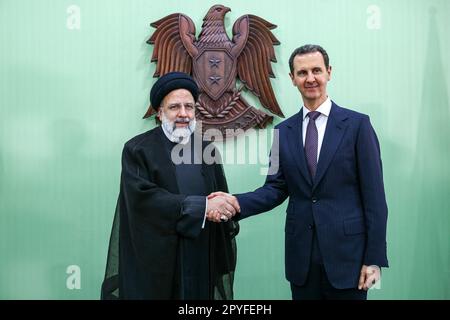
[
  {"x": 314, "y": 200},
  {"x": 311, "y": 226}
]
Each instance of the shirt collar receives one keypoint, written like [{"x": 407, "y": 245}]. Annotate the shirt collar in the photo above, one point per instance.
[{"x": 324, "y": 108}]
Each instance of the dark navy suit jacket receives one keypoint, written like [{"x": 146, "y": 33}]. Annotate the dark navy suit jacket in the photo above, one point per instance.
[{"x": 344, "y": 203}]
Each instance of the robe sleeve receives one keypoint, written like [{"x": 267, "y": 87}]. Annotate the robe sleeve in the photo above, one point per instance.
[
  {"x": 143, "y": 196},
  {"x": 172, "y": 212},
  {"x": 193, "y": 212}
]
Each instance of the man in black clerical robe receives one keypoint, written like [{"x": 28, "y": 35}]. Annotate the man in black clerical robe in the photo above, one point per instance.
[{"x": 162, "y": 246}]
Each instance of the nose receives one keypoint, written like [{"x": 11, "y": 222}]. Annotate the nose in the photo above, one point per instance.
[
  {"x": 183, "y": 112},
  {"x": 310, "y": 77}
]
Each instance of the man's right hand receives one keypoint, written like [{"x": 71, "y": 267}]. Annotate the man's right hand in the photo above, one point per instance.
[{"x": 222, "y": 206}]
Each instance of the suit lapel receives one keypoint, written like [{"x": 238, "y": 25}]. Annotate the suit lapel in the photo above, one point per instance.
[
  {"x": 333, "y": 135},
  {"x": 295, "y": 139}
]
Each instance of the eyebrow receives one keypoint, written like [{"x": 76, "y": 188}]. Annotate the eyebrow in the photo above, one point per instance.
[
  {"x": 313, "y": 68},
  {"x": 189, "y": 104}
]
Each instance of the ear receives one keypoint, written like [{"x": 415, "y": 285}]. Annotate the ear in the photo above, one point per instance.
[
  {"x": 292, "y": 78},
  {"x": 329, "y": 72}
]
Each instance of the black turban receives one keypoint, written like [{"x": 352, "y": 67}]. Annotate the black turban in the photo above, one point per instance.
[{"x": 169, "y": 82}]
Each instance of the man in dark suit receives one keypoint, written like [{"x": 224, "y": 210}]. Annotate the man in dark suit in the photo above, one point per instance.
[
  {"x": 161, "y": 245},
  {"x": 330, "y": 168}
]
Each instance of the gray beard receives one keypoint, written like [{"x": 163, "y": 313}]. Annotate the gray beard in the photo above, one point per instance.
[{"x": 174, "y": 134}]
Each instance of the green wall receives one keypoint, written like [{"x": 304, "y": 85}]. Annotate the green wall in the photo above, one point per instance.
[{"x": 70, "y": 98}]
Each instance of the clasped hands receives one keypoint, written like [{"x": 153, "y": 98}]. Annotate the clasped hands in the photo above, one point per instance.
[{"x": 222, "y": 207}]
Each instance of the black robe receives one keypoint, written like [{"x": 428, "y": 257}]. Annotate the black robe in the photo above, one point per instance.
[
  {"x": 194, "y": 252},
  {"x": 151, "y": 221}
]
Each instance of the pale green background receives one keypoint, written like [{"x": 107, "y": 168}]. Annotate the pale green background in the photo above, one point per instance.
[{"x": 69, "y": 99}]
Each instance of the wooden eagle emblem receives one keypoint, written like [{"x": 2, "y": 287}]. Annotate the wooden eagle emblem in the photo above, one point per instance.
[{"x": 215, "y": 62}]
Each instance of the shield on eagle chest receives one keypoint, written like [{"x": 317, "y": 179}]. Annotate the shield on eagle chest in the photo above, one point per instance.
[{"x": 214, "y": 71}]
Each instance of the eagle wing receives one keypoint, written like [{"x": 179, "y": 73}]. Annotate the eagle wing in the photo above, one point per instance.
[
  {"x": 174, "y": 44},
  {"x": 252, "y": 35}
]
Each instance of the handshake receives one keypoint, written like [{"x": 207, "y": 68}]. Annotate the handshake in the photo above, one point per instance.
[{"x": 221, "y": 207}]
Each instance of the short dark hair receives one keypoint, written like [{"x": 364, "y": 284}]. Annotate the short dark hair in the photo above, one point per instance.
[{"x": 308, "y": 48}]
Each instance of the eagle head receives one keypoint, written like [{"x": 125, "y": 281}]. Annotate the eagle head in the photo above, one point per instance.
[{"x": 217, "y": 12}]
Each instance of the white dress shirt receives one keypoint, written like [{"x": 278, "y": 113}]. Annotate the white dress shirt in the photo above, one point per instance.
[{"x": 321, "y": 122}]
